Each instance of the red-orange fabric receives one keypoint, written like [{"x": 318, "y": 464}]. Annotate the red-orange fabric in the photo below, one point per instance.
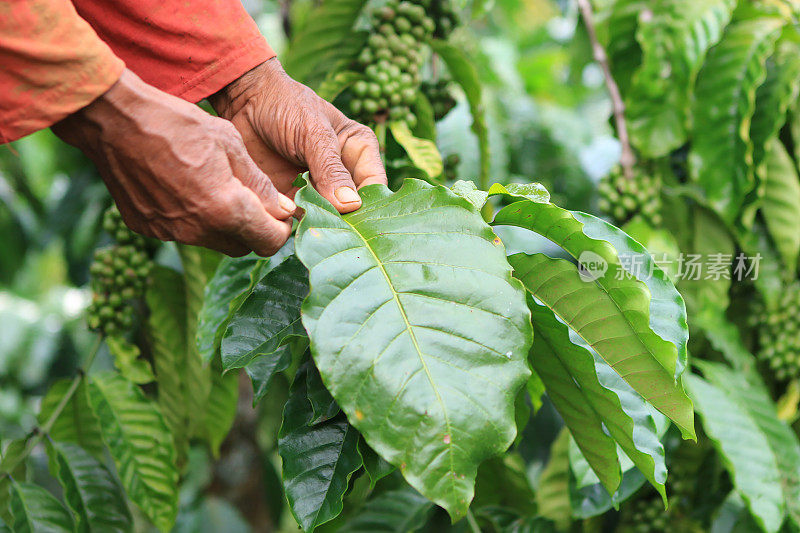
[
  {"x": 54, "y": 60},
  {"x": 188, "y": 48}
]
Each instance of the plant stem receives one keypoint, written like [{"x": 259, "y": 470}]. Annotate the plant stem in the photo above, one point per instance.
[
  {"x": 45, "y": 428},
  {"x": 627, "y": 159},
  {"x": 473, "y": 524}
]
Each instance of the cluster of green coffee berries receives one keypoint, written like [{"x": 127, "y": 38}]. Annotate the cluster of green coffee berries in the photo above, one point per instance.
[
  {"x": 118, "y": 278},
  {"x": 439, "y": 95},
  {"x": 444, "y": 17},
  {"x": 779, "y": 334},
  {"x": 644, "y": 515},
  {"x": 623, "y": 198},
  {"x": 391, "y": 62}
]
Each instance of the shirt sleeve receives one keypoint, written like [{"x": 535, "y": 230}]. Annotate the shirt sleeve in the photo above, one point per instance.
[
  {"x": 188, "y": 48},
  {"x": 51, "y": 64}
]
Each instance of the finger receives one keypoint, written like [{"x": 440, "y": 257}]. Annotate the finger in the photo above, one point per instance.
[
  {"x": 361, "y": 154},
  {"x": 261, "y": 232},
  {"x": 329, "y": 175},
  {"x": 246, "y": 171}
]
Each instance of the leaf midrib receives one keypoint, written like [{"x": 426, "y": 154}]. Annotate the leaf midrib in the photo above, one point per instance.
[{"x": 410, "y": 330}]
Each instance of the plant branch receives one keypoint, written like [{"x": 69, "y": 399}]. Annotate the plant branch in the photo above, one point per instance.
[
  {"x": 41, "y": 431},
  {"x": 627, "y": 159}
]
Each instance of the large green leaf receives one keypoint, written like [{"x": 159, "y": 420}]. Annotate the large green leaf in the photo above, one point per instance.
[
  {"x": 323, "y": 39},
  {"x": 674, "y": 36},
  {"x": 318, "y": 460},
  {"x": 744, "y": 449},
  {"x": 90, "y": 490},
  {"x": 418, "y": 329},
  {"x": 422, "y": 152},
  {"x": 466, "y": 75},
  {"x": 635, "y": 319},
  {"x": 579, "y": 385},
  {"x": 35, "y": 510},
  {"x": 781, "y": 203},
  {"x": 76, "y": 423},
  {"x": 753, "y": 396},
  {"x": 721, "y": 158},
  {"x": 396, "y": 511},
  {"x": 139, "y": 440},
  {"x": 234, "y": 276},
  {"x": 268, "y": 317}
]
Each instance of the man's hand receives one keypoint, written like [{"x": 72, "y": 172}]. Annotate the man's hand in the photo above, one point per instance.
[
  {"x": 177, "y": 173},
  {"x": 287, "y": 129}
]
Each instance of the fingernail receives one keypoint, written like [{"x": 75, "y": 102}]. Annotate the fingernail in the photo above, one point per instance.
[
  {"x": 286, "y": 204},
  {"x": 346, "y": 195}
]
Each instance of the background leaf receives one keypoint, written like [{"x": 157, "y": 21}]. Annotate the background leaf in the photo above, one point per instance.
[
  {"x": 34, "y": 510},
  {"x": 465, "y": 75},
  {"x": 90, "y": 490},
  {"x": 744, "y": 449},
  {"x": 414, "y": 292},
  {"x": 781, "y": 203},
  {"x": 77, "y": 423},
  {"x": 721, "y": 157},
  {"x": 396, "y": 511},
  {"x": 324, "y": 39},
  {"x": 140, "y": 443}
]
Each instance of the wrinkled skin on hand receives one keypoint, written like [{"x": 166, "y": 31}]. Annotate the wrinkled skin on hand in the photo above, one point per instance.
[
  {"x": 287, "y": 129},
  {"x": 177, "y": 173}
]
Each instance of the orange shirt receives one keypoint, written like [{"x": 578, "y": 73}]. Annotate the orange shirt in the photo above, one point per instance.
[{"x": 56, "y": 56}]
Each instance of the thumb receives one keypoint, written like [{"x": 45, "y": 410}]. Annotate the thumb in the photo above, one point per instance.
[{"x": 329, "y": 175}]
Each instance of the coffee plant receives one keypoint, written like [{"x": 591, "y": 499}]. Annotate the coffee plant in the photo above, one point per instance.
[{"x": 467, "y": 354}]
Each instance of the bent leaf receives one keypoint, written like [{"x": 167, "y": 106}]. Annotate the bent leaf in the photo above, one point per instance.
[
  {"x": 638, "y": 325},
  {"x": 418, "y": 330},
  {"x": 318, "y": 460},
  {"x": 268, "y": 317},
  {"x": 579, "y": 386},
  {"x": 422, "y": 152},
  {"x": 140, "y": 443}
]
